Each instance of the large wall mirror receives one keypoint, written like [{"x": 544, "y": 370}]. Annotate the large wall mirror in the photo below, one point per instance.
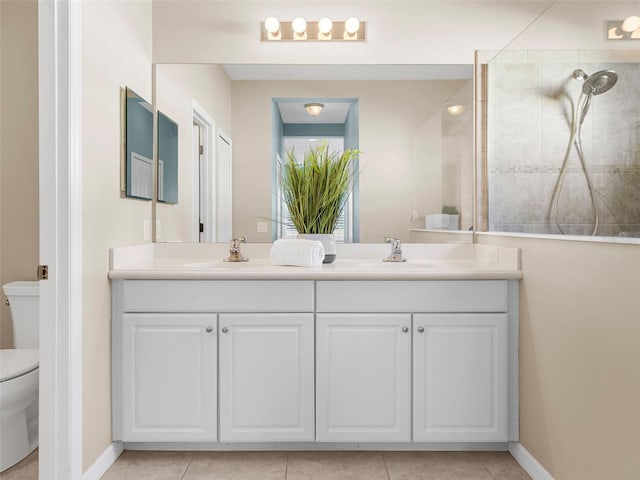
[
  {"x": 415, "y": 133},
  {"x": 562, "y": 143}
]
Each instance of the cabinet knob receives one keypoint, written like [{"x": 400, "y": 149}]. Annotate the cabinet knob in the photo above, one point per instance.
[
  {"x": 208, "y": 329},
  {"x": 405, "y": 329},
  {"x": 225, "y": 329},
  {"x": 421, "y": 329}
]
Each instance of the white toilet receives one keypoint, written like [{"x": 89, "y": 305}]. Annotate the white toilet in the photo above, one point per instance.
[{"x": 19, "y": 376}]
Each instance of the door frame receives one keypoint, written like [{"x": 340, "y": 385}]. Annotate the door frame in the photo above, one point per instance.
[
  {"x": 208, "y": 129},
  {"x": 60, "y": 238},
  {"x": 224, "y": 175}
]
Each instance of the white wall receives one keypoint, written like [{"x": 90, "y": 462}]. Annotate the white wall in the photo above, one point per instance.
[
  {"x": 116, "y": 52},
  {"x": 176, "y": 87},
  {"x": 18, "y": 149},
  {"x": 398, "y": 32},
  {"x": 391, "y": 112}
]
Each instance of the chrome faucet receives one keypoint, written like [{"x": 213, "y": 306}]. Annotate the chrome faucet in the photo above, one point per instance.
[
  {"x": 234, "y": 251},
  {"x": 396, "y": 250}
]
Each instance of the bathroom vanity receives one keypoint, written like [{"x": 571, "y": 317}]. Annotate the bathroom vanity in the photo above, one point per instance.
[{"x": 358, "y": 353}]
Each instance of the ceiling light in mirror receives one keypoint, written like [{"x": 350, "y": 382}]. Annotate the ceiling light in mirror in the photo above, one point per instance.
[
  {"x": 314, "y": 109},
  {"x": 456, "y": 109}
]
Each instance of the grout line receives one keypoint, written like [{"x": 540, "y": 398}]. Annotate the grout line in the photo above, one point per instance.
[
  {"x": 479, "y": 457},
  {"x": 386, "y": 468},
  {"x": 187, "y": 467},
  {"x": 286, "y": 466}
]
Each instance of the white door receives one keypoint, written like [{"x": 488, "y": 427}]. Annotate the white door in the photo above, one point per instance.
[
  {"x": 169, "y": 377},
  {"x": 363, "y": 377},
  {"x": 266, "y": 377},
  {"x": 223, "y": 190},
  {"x": 460, "y": 378}
]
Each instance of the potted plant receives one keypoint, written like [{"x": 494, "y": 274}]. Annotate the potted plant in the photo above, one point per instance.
[{"x": 315, "y": 192}]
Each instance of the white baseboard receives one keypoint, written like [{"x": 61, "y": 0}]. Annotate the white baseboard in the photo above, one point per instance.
[
  {"x": 528, "y": 462},
  {"x": 104, "y": 461}
]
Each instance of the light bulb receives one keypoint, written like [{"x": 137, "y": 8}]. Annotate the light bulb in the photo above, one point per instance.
[
  {"x": 352, "y": 25},
  {"x": 456, "y": 109},
  {"x": 631, "y": 24},
  {"x": 299, "y": 25},
  {"x": 325, "y": 25},
  {"x": 272, "y": 25}
]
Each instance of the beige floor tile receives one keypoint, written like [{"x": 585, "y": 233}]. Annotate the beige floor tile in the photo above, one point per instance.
[
  {"x": 237, "y": 466},
  {"x": 336, "y": 466},
  {"x": 149, "y": 465},
  {"x": 503, "y": 466},
  {"x": 435, "y": 466},
  {"x": 27, "y": 469}
]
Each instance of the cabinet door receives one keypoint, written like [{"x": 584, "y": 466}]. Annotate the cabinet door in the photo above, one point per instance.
[
  {"x": 169, "y": 377},
  {"x": 266, "y": 377},
  {"x": 460, "y": 378},
  {"x": 363, "y": 367}
]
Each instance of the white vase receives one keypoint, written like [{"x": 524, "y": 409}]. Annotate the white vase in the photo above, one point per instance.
[{"x": 328, "y": 242}]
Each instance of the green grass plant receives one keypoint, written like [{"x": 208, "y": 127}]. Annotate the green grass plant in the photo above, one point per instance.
[{"x": 315, "y": 191}]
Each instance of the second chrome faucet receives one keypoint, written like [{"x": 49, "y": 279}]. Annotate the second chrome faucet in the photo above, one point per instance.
[{"x": 396, "y": 250}]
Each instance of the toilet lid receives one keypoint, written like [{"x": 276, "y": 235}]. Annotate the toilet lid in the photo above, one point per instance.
[{"x": 16, "y": 362}]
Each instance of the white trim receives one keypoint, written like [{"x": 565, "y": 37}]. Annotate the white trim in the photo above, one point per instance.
[
  {"x": 208, "y": 127},
  {"x": 104, "y": 461},
  {"x": 223, "y": 205},
  {"x": 570, "y": 238},
  {"x": 60, "y": 205},
  {"x": 528, "y": 462}
]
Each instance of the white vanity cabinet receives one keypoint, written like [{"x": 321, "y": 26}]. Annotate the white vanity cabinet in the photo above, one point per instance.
[
  {"x": 363, "y": 377},
  {"x": 454, "y": 360},
  {"x": 169, "y": 377},
  {"x": 428, "y": 363},
  {"x": 266, "y": 377},
  {"x": 166, "y": 335},
  {"x": 460, "y": 377}
]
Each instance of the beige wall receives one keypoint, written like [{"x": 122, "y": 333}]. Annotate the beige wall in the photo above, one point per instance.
[
  {"x": 176, "y": 88},
  {"x": 116, "y": 52},
  {"x": 579, "y": 356},
  {"x": 391, "y": 113},
  {"x": 434, "y": 32},
  {"x": 18, "y": 149}
]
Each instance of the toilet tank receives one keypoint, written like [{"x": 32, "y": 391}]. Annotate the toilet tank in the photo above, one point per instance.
[{"x": 24, "y": 301}]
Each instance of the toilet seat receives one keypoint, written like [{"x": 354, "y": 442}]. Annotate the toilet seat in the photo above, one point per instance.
[{"x": 17, "y": 362}]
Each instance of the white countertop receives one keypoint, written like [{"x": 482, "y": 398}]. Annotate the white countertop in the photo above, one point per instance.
[{"x": 354, "y": 262}]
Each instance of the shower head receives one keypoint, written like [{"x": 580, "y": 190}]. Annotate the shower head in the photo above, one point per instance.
[{"x": 597, "y": 83}]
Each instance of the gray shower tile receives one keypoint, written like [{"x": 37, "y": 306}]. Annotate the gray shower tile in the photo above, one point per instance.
[
  {"x": 553, "y": 56},
  {"x": 515, "y": 198},
  {"x": 519, "y": 79}
]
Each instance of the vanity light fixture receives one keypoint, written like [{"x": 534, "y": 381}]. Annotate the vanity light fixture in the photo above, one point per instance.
[
  {"x": 314, "y": 108},
  {"x": 325, "y": 29},
  {"x": 456, "y": 109}
]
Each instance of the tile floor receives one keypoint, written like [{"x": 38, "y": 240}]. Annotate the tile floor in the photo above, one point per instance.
[{"x": 301, "y": 466}]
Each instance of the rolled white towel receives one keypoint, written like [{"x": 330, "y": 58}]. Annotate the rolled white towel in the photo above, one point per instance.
[{"x": 297, "y": 252}]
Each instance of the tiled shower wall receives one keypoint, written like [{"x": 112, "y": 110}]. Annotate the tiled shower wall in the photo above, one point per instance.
[{"x": 530, "y": 101}]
